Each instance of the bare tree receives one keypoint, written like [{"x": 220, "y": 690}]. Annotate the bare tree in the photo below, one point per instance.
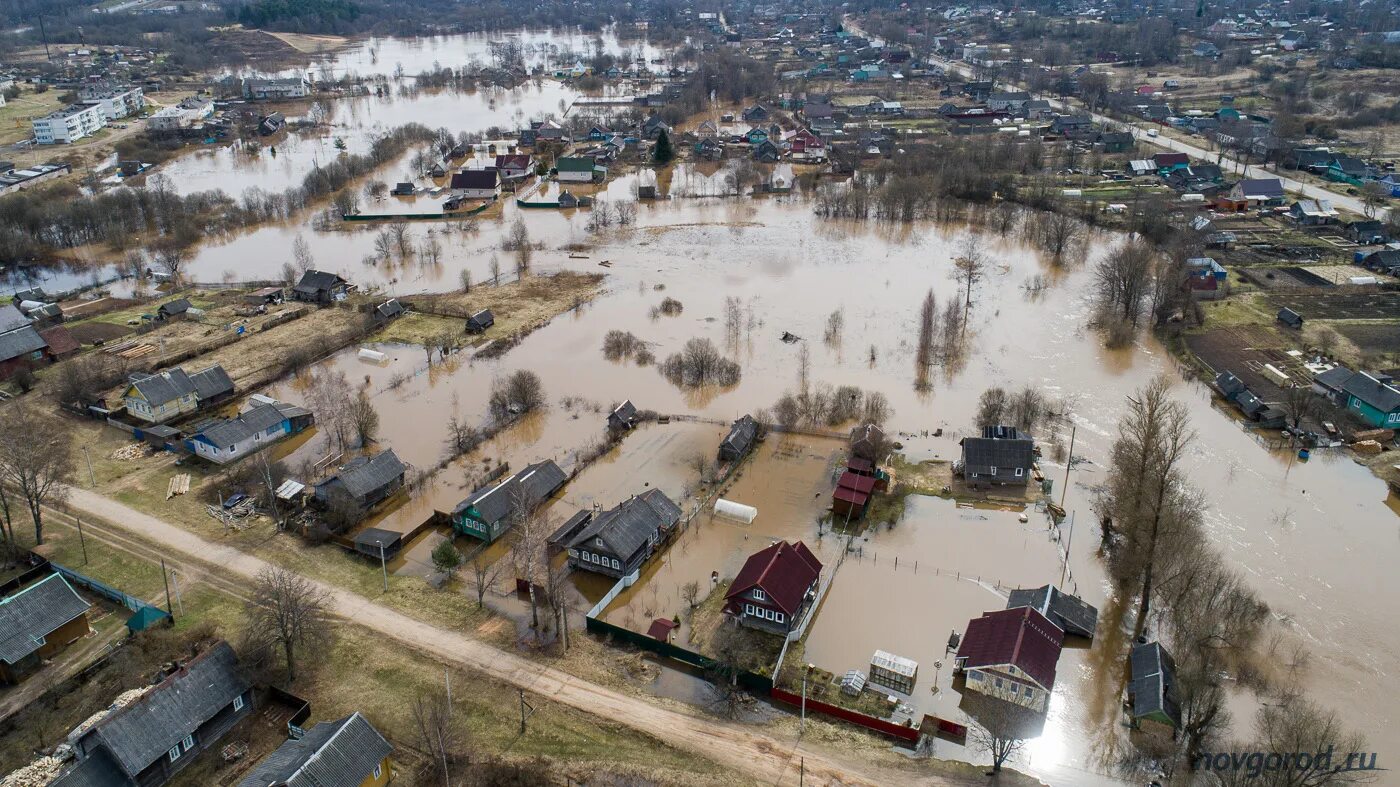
[
  {"x": 402, "y": 238},
  {"x": 465, "y": 279},
  {"x": 1002, "y": 728},
  {"x": 301, "y": 254},
  {"x": 923, "y": 354},
  {"x": 557, "y": 589},
  {"x": 690, "y": 591},
  {"x": 484, "y": 576},
  {"x": 970, "y": 267},
  {"x": 528, "y": 557},
  {"x": 495, "y": 267},
  {"x": 438, "y": 735},
  {"x": 332, "y": 400},
  {"x": 430, "y": 251},
  {"x": 700, "y": 363},
  {"x": 288, "y": 611},
  {"x": 517, "y": 394},
  {"x": 1300, "y": 403},
  {"x": 364, "y": 418},
  {"x": 1124, "y": 278},
  {"x": 835, "y": 323},
  {"x": 36, "y": 458},
  {"x": 992, "y": 407}
]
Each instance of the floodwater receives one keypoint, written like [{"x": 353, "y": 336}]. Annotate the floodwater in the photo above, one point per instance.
[
  {"x": 548, "y": 49},
  {"x": 1318, "y": 541}
]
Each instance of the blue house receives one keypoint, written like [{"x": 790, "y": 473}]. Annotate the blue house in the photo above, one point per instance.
[
  {"x": 1206, "y": 267},
  {"x": 756, "y": 135},
  {"x": 226, "y": 440},
  {"x": 1374, "y": 398}
]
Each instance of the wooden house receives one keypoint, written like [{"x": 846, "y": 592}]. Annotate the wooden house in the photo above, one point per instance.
[
  {"x": 366, "y": 481},
  {"x": 1011, "y": 654},
  {"x": 480, "y": 321},
  {"x": 348, "y": 752},
  {"x": 1152, "y": 695},
  {"x": 266, "y": 421},
  {"x": 624, "y": 416},
  {"x": 159, "y": 734},
  {"x": 1001, "y": 456},
  {"x": 38, "y": 622},
  {"x": 775, "y": 588},
  {"x": 740, "y": 439},
  {"x": 490, "y": 511},
  {"x": 618, "y": 541},
  {"x": 320, "y": 287}
]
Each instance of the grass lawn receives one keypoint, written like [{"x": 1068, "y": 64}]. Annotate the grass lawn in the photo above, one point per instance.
[{"x": 17, "y": 112}]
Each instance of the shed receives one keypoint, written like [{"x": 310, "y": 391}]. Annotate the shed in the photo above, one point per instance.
[
  {"x": 740, "y": 439},
  {"x": 662, "y": 629},
  {"x": 894, "y": 672},
  {"x": 1290, "y": 318},
  {"x": 480, "y": 321},
  {"x": 624, "y": 416},
  {"x": 369, "y": 542}
]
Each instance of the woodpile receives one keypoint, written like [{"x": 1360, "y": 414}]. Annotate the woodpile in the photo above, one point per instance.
[
  {"x": 179, "y": 485},
  {"x": 129, "y": 452},
  {"x": 36, "y": 774}
]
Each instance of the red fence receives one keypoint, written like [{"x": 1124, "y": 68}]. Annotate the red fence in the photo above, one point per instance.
[{"x": 908, "y": 734}]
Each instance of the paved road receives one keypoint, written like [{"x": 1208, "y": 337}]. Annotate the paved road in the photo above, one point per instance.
[
  {"x": 749, "y": 750},
  {"x": 1228, "y": 164}
]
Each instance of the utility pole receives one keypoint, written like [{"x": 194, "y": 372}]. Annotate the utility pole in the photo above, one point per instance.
[
  {"x": 383, "y": 568},
  {"x": 802, "y": 725},
  {"x": 1069, "y": 462},
  {"x": 526, "y": 710},
  {"x": 82, "y": 540},
  {"x": 1068, "y": 541},
  {"x": 92, "y": 478},
  {"x": 179, "y": 600},
  {"x": 166, "y": 579}
]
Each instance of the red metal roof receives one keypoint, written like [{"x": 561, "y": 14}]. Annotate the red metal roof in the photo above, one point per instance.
[
  {"x": 1022, "y": 637},
  {"x": 661, "y": 629},
  {"x": 848, "y": 495},
  {"x": 860, "y": 483},
  {"x": 860, "y": 465},
  {"x": 783, "y": 571},
  {"x": 61, "y": 342}
]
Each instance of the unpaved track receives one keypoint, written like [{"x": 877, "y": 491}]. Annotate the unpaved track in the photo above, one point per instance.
[{"x": 749, "y": 750}]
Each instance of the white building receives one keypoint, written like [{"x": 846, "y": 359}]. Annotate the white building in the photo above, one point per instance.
[
  {"x": 69, "y": 124},
  {"x": 115, "y": 103},
  {"x": 275, "y": 89},
  {"x": 187, "y": 113}
]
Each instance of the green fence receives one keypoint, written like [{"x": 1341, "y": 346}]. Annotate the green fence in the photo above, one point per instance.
[{"x": 749, "y": 680}]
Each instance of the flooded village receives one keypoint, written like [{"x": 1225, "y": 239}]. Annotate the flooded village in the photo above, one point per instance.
[{"x": 767, "y": 396}]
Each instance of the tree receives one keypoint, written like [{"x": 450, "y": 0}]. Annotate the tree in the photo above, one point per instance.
[
  {"x": 301, "y": 254},
  {"x": 431, "y": 251},
  {"x": 700, "y": 363},
  {"x": 364, "y": 418},
  {"x": 1300, "y": 403},
  {"x": 436, "y": 732},
  {"x": 1002, "y": 728},
  {"x": 991, "y": 407},
  {"x": 557, "y": 589},
  {"x": 517, "y": 394},
  {"x": 662, "y": 153},
  {"x": 446, "y": 558},
  {"x": 519, "y": 241},
  {"x": 484, "y": 576},
  {"x": 495, "y": 267},
  {"x": 36, "y": 458},
  {"x": 529, "y": 534},
  {"x": 1373, "y": 196},
  {"x": 288, "y": 611},
  {"x": 465, "y": 279},
  {"x": 690, "y": 591},
  {"x": 923, "y": 355},
  {"x": 1124, "y": 278},
  {"x": 970, "y": 267},
  {"x": 1147, "y": 499},
  {"x": 331, "y": 398}
]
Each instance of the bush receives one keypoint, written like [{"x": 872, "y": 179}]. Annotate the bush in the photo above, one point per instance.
[{"x": 699, "y": 363}]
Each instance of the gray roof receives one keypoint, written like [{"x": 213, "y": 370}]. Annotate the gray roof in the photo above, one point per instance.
[
  {"x": 1154, "y": 682},
  {"x": 1068, "y": 612},
  {"x": 166, "y": 386},
  {"x": 389, "y": 308},
  {"x": 316, "y": 281},
  {"x": 177, "y": 306},
  {"x": 530, "y": 486},
  {"x": 1261, "y": 187},
  {"x": 258, "y": 418},
  {"x": 145, "y": 730},
  {"x": 1368, "y": 389},
  {"x": 999, "y": 446},
  {"x": 627, "y": 526},
  {"x": 11, "y": 317},
  {"x": 1335, "y": 378},
  {"x": 20, "y": 341},
  {"x": 341, "y": 753},
  {"x": 33, "y": 613},
  {"x": 371, "y": 538},
  {"x": 365, "y": 475},
  {"x": 1229, "y": 384},
  {"x": 741, "y": 435},
  {"x": 625, "y": 412},
  {"x": 98, "y": 770},
  {"x": 211, "y": 383}
]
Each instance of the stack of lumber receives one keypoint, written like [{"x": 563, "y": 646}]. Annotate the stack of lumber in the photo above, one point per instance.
[{"x": 179, "y": 484}]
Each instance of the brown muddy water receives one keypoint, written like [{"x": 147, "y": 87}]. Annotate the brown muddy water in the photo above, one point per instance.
[{"x": 1316, "y": 540}]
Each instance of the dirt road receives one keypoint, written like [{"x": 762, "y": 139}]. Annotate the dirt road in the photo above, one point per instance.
[{"x": 768, "y": 758}]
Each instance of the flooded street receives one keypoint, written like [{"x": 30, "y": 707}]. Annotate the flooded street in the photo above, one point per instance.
[{"x": 1318, "y": 541}]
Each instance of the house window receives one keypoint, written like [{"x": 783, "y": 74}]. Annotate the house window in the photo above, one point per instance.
[
  {"x": 994, "y": 469},
  {"x": 780, "y": 617},
  {"x": 998, "y": 682},
  {"x": 748, "y": 609},
  {"x": 759, "y": 595},
  {"x": 616, "y": 564},
  {"x": 1030, "y": 694},
  {"x": 974, "y": 675},
  {"x": 189, "y": 742},
  {"x": 1020, "y": 472},
  {"x": 174, "y": 753},
  {"x": 378, "y": 769},
  {"x": 238, "y": 703}
]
